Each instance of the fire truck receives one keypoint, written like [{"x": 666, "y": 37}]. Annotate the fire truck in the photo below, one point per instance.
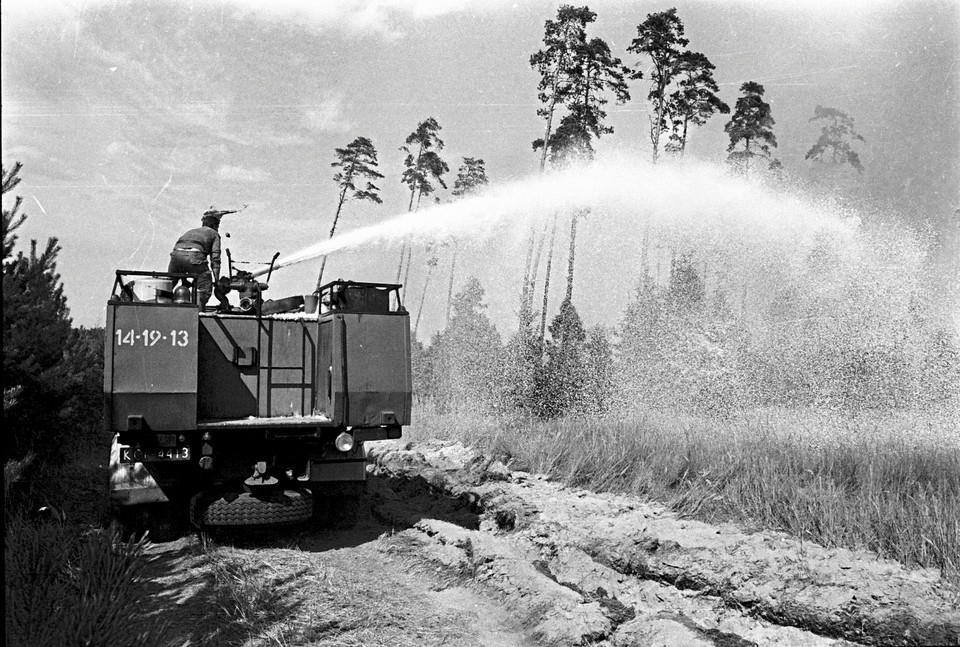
[{"x": 253, "y": 414}]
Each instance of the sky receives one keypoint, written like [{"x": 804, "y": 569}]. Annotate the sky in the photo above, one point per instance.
[{"x": 131, "y": 118}]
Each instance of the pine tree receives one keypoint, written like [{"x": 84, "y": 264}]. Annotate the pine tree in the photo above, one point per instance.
[
  {"x": 561, "y": 382},
  {"x": 598, "y": 372},
  {"x": 468, "y": 355},
  {"x": 357, "y": 163},
  {"x": 36, "y": 331},
  {"x": 471, "y": 179},
  {"x": 641, "y": 350},
  {"x": 558, "y": 63},
  {"x": 423, "y": 163},
  {"x": 694, "y": 101},
  {"x": 598, "y": 73},
  {"x": 424, "y": 166},
  {"x": 660, "y": 37},
  {"x": 751, "y": 125},
  {"x": 835, "y": 143}
]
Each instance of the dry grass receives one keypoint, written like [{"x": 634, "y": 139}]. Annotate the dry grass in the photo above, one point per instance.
[{"x": 889, "y": 482}]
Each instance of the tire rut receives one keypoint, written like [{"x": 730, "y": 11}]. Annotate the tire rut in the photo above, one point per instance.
[{"x": 586, "y": 568}]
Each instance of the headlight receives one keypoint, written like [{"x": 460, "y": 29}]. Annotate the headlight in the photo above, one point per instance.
[{"x": 344, "y": 442}]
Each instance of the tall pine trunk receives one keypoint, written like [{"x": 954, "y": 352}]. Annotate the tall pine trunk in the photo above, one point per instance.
[
  {"x": 528, "y": 289},
  {"x": 413, "y": 192},
  {"x": 657, "y": 128},
  {"x": 683, "y": 142},
  {"x": 423, "y": 298},
  {"x": 570, "y": 260},
  {"x": 536, "y": 263},
  {"x": 550, "y": 110},
  {"x": 546, "y": 283},
  {"x": 746, "y": 158},
  {"x": 336, "y": 217},
  {"x": 453, "y": 269}
]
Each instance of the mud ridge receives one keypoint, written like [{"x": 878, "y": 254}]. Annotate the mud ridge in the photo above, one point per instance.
[{"x": 637, "y": 552}]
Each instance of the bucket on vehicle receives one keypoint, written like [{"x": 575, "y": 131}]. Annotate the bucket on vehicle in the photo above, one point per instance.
[{"x": 153, "y": 290}]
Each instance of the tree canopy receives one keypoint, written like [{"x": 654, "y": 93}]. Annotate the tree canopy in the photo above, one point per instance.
[
  {"x": 659, "y": 37},
  {"x": 597, "y": 73},
  {"x": 423, "y": 164},
  {"x": 752, "y": 126},
  {"x": 471, "y": 177},
  {"x": 835, "y": 143},
  {"x": 357, "y": 163},
  {"x": 357, "y": 170},
  {"x": 557, "y": 64},
  {"x": 694, "y": 101}
]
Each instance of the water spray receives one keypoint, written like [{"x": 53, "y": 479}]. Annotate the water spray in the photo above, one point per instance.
[{"x": 677, "y": 196}]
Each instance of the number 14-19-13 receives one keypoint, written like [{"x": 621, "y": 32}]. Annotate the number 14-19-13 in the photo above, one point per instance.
[{"x": 152, "y": 337}]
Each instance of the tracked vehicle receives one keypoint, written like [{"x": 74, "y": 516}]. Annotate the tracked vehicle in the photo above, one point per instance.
[{"x": 256, "y": 414}]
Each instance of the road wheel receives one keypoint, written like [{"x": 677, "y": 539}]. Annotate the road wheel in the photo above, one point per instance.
[{"x": 246, "y": 509}]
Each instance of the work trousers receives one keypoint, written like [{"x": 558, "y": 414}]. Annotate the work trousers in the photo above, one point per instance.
[{"x": 184, "y": 262}]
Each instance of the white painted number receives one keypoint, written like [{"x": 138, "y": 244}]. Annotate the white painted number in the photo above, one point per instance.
[
  {"x": 181, "y": 453},
  {"x": 151, "y": 337}
]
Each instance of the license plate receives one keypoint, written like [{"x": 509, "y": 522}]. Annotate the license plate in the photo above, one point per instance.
[{"x": 131, "y": 455}]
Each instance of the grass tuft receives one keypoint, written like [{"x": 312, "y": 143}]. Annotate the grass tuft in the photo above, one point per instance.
[
  {"x": 244, "y": 596},
  {"x": 68, "y": 588},
  {"x": 254, "y": 603}
]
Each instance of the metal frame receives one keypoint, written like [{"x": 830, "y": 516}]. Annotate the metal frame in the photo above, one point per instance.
[
  {"x": 395, "y": 288},
  {"x": 119, "y": 284}
]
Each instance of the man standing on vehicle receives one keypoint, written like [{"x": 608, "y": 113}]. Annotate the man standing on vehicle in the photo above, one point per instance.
[{"x": 189, "y": 256}]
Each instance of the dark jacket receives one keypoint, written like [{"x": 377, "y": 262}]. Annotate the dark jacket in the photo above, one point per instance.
[{"x": 206, "y": 240}]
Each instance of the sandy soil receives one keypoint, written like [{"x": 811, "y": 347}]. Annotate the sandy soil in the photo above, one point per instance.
[{"x": 450, "y": 548}]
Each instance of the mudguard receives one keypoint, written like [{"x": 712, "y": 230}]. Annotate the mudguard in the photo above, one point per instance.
[{"x": 131, "y": 484}]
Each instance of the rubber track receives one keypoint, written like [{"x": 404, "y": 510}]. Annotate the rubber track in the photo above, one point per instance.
[{"x": 291, "y": 506}]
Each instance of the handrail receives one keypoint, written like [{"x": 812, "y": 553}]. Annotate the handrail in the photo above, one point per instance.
[{"x": 119, "y": 284}]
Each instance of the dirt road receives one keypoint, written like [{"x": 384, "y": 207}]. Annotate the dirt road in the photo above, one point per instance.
[{"x": 450, "y": 548}]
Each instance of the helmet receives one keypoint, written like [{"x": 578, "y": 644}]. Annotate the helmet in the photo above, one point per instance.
[{"x": 213, "y": 212}]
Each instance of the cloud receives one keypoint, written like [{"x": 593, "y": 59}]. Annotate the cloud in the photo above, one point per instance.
[
  {"x": 20, "y": 153},
  {"x": 327, "y": 115},
  {"x": 121, "y": 149},
  {"x": 229, "y": 173},
  {"x": 376, "y": 16},
  {"x": 390, "y": 19},
  {"x": 371, "y": 16}
]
